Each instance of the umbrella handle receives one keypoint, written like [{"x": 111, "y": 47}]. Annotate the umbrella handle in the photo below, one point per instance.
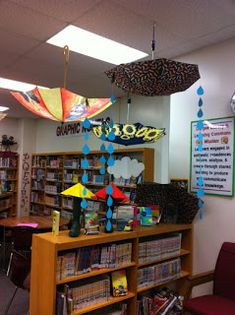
[
  {"x": 153, "y": 43},
  {"x": 66, "y": 64}
]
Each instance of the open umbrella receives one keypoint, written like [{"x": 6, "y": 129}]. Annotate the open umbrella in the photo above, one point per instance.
[
  {"x": 154, "y": 77},
  {"x": 60, "y": 104},
  {"x": 79, "y": 192},
  {"x": 112, "y": 194},
  {"x": 128, "y": 134}
]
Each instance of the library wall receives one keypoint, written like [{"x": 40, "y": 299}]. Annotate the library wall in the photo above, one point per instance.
[
  {"x": 10, "y": 127},
  {"x": 153, "y": 111},
  {"x": 216, "y": 65}
]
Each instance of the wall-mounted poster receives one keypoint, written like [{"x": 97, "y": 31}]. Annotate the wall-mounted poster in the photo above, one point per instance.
[{"x": 216, "y": 161}]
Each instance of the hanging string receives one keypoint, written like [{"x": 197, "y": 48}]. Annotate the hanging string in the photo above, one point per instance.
[
  {"x": 66, "y": 64},
  {"x": 200, "y": 126},
  {"x": 153, "y": 43}
]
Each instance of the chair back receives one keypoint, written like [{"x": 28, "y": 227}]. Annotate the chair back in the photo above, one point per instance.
[
  {"x": 224, "y": 278},
  {"x": 22, "y": 237},
  {"x": 19, "y": 269}
]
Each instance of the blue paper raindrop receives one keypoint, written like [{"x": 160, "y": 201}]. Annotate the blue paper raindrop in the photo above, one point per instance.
[
  {"x": 110, "y": 201},
  {"x": 200, "y": 181},
  {"x": 200, "y": 91},
  {"x": 85, "y": 149},
  {"x": 200, "y": 125},
  {"x": 111, "y": 136},
  {"x": 110, "y": 161},
  {"x": 102, "y": 147},
  {"x": 200, "y": 136},
  {"x": 85, "y": 163},
  {"x": 102, "y": 159},
  {"x": 111, "y": 123},
  {"x": 86, "y": 123},
  {"x": 108, "y": 225},
  {"x": 84, "y": 191},
  {"x": 84, "y": 178},
  {"x": 109, "y": 213},
  {"x": 200, "y": 148},
  {"x": 103, "y": 137},
  {"x": 112, "y": 99},
  {"x": 102, "y": 170},
  {"x": 84, "y": 204},
  {"x": 109, "y": 190},
  {"x": 200, "y": 113},
  {"x": 110, "y": 148},
  {"x": 200, "y": 192},
  {"x": 200, "y": 102}
]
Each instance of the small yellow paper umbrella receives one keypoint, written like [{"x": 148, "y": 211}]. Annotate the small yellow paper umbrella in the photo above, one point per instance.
[{"x": 80, "y": 193}]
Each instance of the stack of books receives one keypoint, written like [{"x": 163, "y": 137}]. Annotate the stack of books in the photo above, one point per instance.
[
  {"x": 86, "y": 259},
  {"x": 155, "y": 274},
  {"x": 160, "y": 248},
  {"x": 90, "y": 293},
  {"x": 161, "y": 302}
]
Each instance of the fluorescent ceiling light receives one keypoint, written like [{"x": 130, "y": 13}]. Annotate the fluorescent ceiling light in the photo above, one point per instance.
[
  {"x": 95, "y": 46},
  {"x": 16, "y": 85},
  {"x": 3, "y": 108}
]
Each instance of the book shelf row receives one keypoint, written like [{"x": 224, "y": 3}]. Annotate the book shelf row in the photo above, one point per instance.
[
  {"x": 8, "y": 184},
  {"x": 55, "y": 172}
]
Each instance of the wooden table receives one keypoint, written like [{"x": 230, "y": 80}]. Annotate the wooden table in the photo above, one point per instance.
[{"x": 44, "y": 222}]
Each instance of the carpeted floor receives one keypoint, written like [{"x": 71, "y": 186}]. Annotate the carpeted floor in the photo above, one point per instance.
[{"x": 20, "y": 304}]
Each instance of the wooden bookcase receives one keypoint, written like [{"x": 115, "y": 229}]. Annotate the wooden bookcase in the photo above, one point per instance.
[
  {"x": 9, "y": 184},
  {"x": 46, "y": 248},
  {"x": 55, "y": 172}
]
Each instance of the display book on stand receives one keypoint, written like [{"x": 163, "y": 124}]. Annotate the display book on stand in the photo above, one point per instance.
[
  {"x": 55, "y": 172},
  {"x": 8, "y": 184},
  {"x": 117, "y": 273}
]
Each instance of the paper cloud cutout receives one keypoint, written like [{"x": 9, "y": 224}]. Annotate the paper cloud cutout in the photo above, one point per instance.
[{"x": 126, "y": 168}]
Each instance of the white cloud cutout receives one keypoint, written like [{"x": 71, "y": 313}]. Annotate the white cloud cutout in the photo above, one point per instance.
[{"x": 126, "y": 168}]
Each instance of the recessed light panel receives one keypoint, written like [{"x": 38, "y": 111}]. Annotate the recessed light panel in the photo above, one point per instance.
[
  {"x": 16, "y": 85},
  {"x": 95, "y": 46}
]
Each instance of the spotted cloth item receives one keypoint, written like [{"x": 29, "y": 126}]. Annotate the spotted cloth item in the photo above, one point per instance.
[
  {"x": 176, "y": 204},
  {"x": 129, "y": 134},
  {"x": 154, "y": 77}
]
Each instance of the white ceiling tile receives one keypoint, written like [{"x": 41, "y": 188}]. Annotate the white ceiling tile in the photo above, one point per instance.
[
  {"x": 64, "y": 10},
  {"x": 23, "y": 21}
]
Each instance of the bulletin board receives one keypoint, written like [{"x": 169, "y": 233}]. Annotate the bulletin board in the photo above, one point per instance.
[{"x": 216, "y": 161}]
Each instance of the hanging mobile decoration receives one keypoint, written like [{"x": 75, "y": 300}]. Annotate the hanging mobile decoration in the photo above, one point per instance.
[
  {"x": 85, "y": 164},
  {"x": 200, "y": 125}
]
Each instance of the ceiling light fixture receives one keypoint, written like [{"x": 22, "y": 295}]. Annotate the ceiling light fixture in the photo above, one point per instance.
[
  {"x": 16, "y": 85},
  {"x": 95, "y": 46},
  {"x": 3, "y": 108}
]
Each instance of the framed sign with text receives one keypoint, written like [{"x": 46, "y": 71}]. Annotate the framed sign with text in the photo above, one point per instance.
[{"x": 216, "y": 161}]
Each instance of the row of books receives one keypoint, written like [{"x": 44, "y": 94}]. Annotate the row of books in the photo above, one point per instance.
[
  {"x": 78, "y": 295},
  {"x": 72, "y": 163},
  {"x": 66, "y": 214},
  {"x": 160, "y": 248},
  {"x": 155, "y": 274},
  {"x": 37, "y": 196},
  {"x": 53, "y": 175},
  {"x": 37, "y": 185},
  {"x": 86, "y": 259},
  {"x": 54, "y": 162},
  {"x": 53, "y": 188},
  {"x": 38, "y": 174},
  {"x": 161, "y": 302},
  {"x": 8, "y": 162},
  {"x": 53, "y": 200},
  {"x": 39, "y": 161},
  {"x": 5, "y": 203}
]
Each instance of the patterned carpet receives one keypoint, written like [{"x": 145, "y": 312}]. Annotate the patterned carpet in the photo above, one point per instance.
[{"x": 20, "y": 304}]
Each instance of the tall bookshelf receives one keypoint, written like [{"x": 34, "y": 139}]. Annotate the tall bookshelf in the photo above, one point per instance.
[
  {"x": 46, "y": 249},
  {"x": 9, "y": 163},
  {"x": 55, "y": 172}
]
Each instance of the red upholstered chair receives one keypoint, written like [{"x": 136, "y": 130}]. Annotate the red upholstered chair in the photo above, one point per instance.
[{"x": 222, "y": 302}]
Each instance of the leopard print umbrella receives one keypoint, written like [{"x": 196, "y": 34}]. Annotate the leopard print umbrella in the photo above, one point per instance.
[{"x": 154, "y": 77}]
